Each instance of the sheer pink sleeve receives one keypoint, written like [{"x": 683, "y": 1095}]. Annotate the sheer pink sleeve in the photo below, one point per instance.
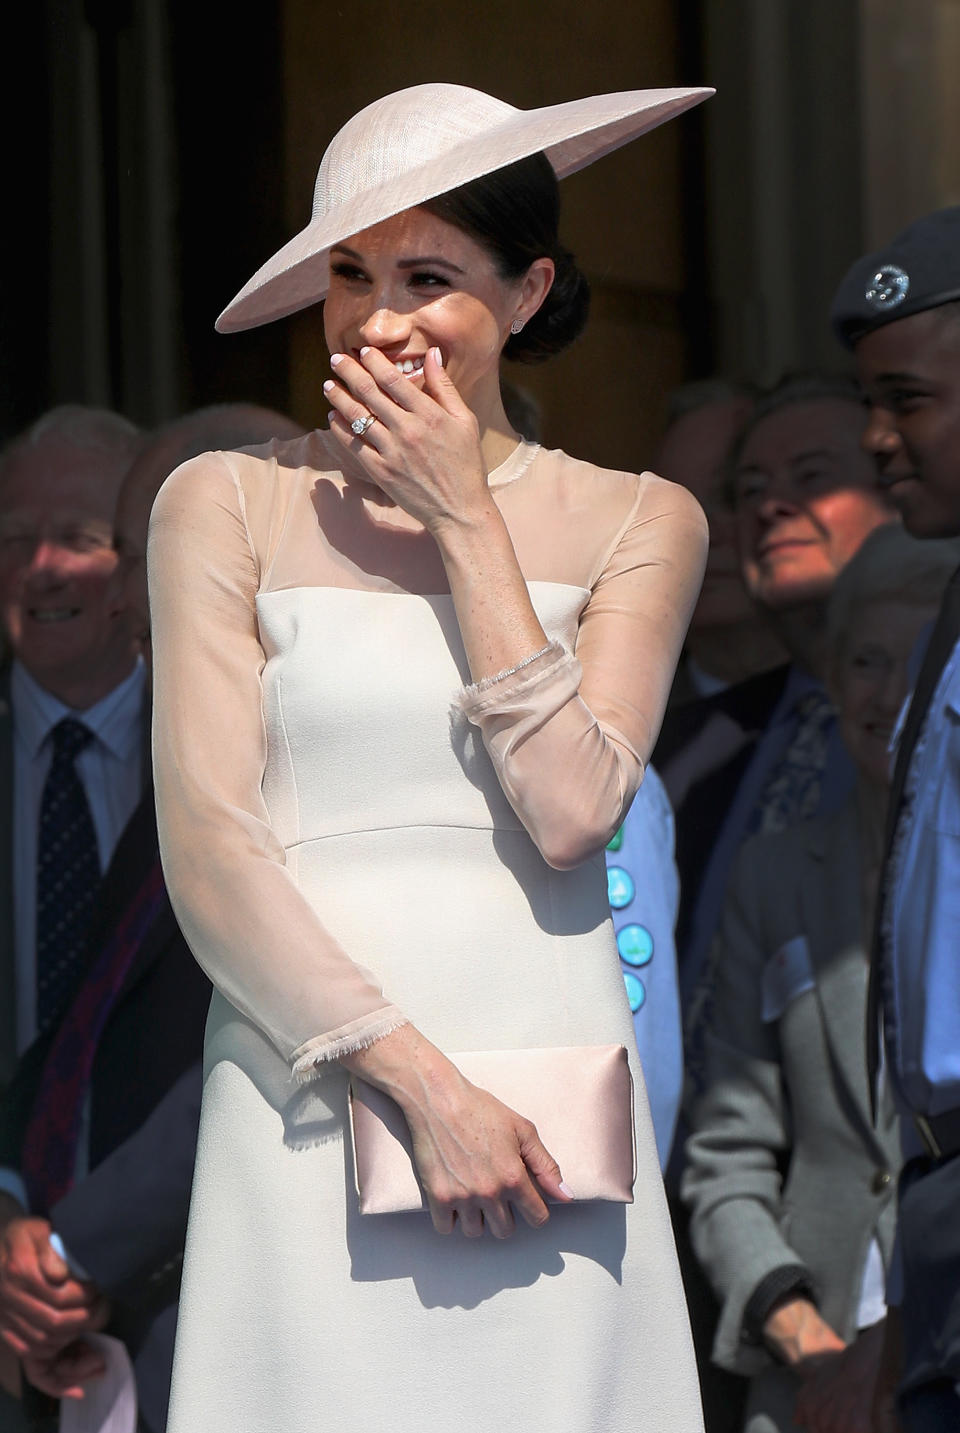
[
  {"x": 248, "y": 925},
  {"x": 569, "y": 734}
]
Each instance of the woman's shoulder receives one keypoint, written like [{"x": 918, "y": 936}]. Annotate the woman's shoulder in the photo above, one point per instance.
[
  {"x": 638, "y": 510},
  {"x": 253, "y": 482},
  {"x": 644, "y": 488}
]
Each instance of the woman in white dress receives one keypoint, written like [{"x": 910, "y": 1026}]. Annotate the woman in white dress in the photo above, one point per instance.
[{"x": 408, "y": 671}]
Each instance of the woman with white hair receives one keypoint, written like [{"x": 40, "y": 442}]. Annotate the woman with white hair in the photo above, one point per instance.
[
  {"x": 375, "y": 885},
  {"x": 790, "y": 1182}
]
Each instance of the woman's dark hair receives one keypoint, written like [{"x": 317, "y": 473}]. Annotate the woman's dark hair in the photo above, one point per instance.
[{"x": 514, "y": 214}]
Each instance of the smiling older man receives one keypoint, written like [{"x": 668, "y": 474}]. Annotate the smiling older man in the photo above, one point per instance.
[{"x": 72, "y": 707}]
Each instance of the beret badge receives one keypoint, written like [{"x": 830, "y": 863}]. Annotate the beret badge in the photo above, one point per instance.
[{"x": 887, "y": 288}]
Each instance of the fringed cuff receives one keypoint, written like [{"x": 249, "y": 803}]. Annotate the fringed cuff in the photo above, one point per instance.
[
  {"x": 310, "y": 1058},
  {"x": 489, "y": 694}
]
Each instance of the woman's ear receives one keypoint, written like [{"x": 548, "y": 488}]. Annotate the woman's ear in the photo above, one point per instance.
[{"x": 534, "y": 287}]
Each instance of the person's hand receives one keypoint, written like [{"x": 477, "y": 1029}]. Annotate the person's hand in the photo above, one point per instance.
[
  {"x": 42, "y": 1306},
  {"x": 424, "y": 449},
  {"x": 63, "y": 1374},
  {"x": 795, "y": 1331},
  {"x": 837, "y": 1390},
  {"x": 478, "y": 1160}
]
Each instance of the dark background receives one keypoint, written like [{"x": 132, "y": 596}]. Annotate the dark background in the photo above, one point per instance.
[{"x": 158, "y": 153}]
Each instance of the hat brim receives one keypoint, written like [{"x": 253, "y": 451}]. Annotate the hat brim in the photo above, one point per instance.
[{"x": 572, "y": 135}]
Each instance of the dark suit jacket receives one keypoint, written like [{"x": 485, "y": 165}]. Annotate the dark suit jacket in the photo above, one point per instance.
[
  {"x": 704, "y": 750},
  {"x": 8, "y": 994},
  {"x": 126, "y": 1221}
]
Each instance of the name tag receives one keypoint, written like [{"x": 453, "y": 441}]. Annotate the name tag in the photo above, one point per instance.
[{"x": 787, "y": 974}]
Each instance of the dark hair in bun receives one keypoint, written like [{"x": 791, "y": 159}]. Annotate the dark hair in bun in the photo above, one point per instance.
[{"x": 514, "y": 214}]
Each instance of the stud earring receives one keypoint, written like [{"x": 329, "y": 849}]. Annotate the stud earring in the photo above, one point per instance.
[{"x": 517, "y": 326}]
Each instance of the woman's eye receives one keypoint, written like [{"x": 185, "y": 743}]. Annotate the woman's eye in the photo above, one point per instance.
[
  {"x": 347, "y": 271},
  {"x": 424, "y": 279}
]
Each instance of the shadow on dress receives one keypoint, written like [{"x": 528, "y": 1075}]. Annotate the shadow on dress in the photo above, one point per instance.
[{"x": 454, "y": 1272}]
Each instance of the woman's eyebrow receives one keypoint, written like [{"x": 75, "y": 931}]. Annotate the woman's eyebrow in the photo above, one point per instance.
[
  {"x": 418, "y": 263},
  {"x": 433, "y": 259}
]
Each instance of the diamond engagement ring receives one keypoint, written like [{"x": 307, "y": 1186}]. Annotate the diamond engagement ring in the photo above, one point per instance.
[{"x": 360, "y": 425}]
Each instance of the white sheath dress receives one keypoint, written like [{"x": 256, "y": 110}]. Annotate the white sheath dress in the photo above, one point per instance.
[{"x": 353, "y": 838}]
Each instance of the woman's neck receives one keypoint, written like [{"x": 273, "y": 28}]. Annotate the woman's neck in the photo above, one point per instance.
[{"x": 497, "y": 438}]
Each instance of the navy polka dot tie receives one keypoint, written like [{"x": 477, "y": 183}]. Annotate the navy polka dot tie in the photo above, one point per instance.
[{"x": 68, "y": 873}]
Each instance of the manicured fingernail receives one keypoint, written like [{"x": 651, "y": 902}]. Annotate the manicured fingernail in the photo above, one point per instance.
[
  {"x": 329, "y": 386},
  {"x": 565, "y": 1189},
  {"x": 438, "y": 356},
  {"x": 364, "y": 351},
  {"x": 335, "y": 358}
]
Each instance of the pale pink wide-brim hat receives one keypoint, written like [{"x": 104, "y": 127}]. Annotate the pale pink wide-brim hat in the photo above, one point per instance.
[{"x": 413, "y": 145}]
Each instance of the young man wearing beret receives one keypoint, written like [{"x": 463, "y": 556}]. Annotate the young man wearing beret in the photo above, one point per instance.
[{"x": 899, "y": 310}]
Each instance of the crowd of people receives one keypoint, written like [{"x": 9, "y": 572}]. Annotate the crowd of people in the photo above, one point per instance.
[{"x": 779, "y": 888}]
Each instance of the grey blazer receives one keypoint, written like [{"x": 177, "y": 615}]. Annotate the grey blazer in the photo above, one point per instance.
[{"x": 784, "y": 1164}]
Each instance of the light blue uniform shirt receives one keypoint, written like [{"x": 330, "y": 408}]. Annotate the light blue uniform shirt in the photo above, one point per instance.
[
  {"x": 921, "y": 966},
  {"x": 644, "y": 892}
]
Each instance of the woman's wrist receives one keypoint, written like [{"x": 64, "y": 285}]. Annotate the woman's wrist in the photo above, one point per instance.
[
  {"x": 478, "y": 521},
  {"x": 404, "y": 1064}
]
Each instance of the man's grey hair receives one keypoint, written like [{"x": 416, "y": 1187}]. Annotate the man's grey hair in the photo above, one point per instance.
[{"x": 89, "y": 430}]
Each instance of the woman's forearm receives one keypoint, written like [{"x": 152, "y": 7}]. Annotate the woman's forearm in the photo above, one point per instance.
[{"x": 498, "y": 624}]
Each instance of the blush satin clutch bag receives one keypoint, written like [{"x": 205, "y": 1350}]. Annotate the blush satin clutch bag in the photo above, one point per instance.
[{"x": 580, "y": 1098}]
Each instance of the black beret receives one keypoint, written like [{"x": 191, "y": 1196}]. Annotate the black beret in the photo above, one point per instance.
[{"x": 917, "y": 270}]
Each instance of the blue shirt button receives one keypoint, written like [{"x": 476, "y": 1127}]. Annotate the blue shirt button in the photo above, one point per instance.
[
  {"x": 635, "y": 944},
  {"x": 636, "y": 993},
  {"x": 620, "y": 887}
]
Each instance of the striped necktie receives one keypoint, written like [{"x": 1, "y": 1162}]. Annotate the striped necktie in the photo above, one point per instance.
[{"x": 68, "y": 873}]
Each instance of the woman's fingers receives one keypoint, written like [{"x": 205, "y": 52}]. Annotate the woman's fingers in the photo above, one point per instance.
[
  {"x": 438, "y": 384},
  {"x": 541, "y": 1164},
  {"x": 441, "y": 1214},
  {"x": 374, "y": 384},
  {"x": 471, "y": 1221},
  {"x": 498, "y": 1218}
]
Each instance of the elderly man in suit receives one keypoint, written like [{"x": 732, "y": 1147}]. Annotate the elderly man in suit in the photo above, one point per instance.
[
  {"x": 73, "y": 726},
  {"x": 98, "y": 1128},
  {"x": 790, "y": 1184}
]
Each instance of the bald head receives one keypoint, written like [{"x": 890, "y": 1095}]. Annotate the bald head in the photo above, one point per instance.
[{"x": 218, "y": 428}]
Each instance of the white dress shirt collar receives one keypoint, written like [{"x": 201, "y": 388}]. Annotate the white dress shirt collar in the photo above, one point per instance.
[{"x": 113, "y": 719}]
